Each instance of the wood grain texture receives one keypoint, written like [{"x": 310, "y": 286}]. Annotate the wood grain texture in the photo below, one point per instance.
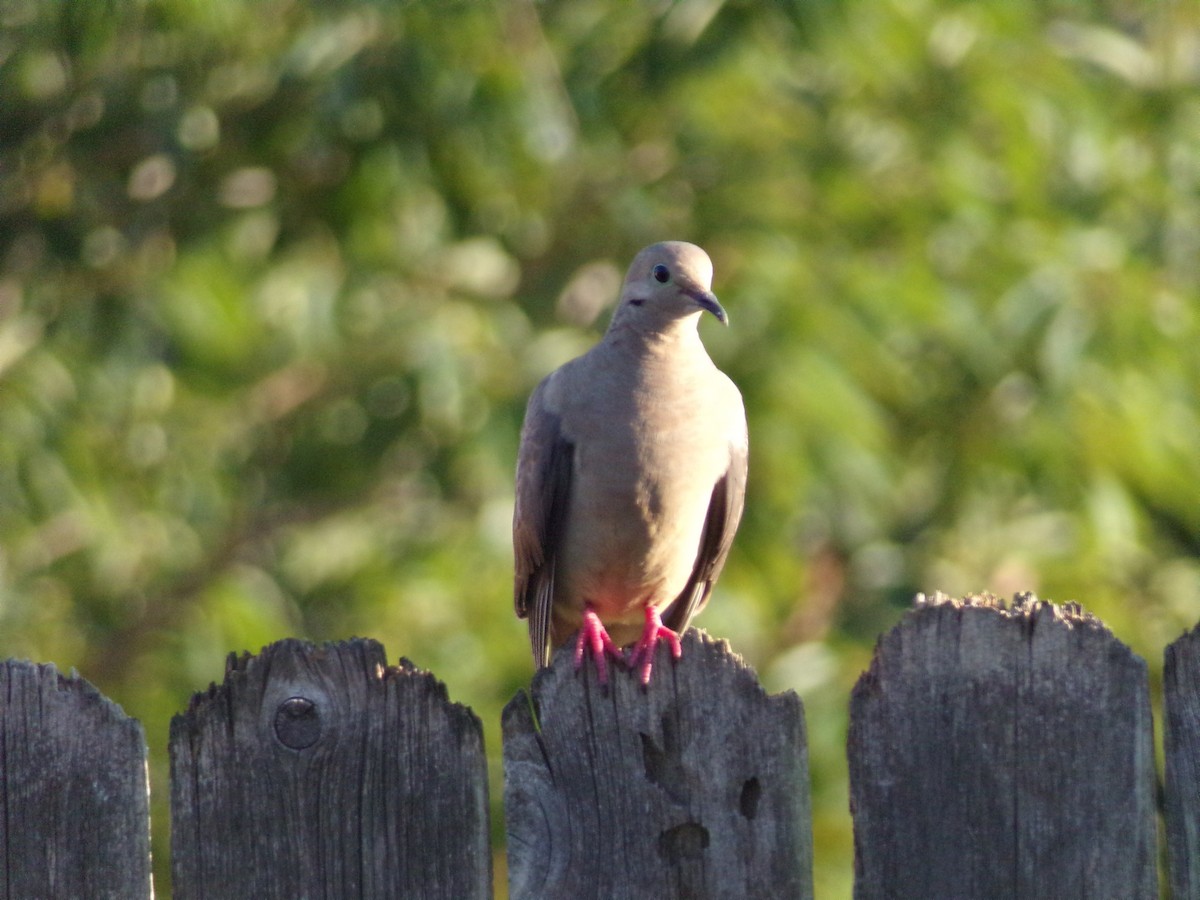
[
  {"x": 1181, "y": 739},
  {"x": 1002, "y": 752},
  {"x": 74, "y": 807},
  {"x": 696, "y": 787},
  {"x": 319, "y": 771}
]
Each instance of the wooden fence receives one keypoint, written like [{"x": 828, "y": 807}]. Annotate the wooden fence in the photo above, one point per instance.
[{"x": 995, "y": 751}]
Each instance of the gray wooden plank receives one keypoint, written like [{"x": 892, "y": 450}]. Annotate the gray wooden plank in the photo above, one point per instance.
[
  {"x": 74, "y": 803},
  {"x": 696, "y": 787},
  {"x": 319, "y": 771},
  {"x": 1181, "y": 740},
  {"x": 1002, "y": 752}
]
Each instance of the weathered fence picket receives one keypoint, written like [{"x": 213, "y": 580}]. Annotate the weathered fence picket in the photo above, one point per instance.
[
  {"x": 1002, "y": 752},
  {"x": 1181, "y": 744},
  {"x": 694, "y": 787},
  {"x": 994, "y": 751},
  {"x": 320, "y": 771},
  {"x": 74, "y": 799}
]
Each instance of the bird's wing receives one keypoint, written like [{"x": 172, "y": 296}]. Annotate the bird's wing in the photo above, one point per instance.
[
  {"x": 543, "y": 489},
  {"x": 720, "y": 524}
]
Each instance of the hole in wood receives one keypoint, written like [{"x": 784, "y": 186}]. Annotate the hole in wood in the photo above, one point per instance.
[
  {"x": 748, "y": 801},
  {"x": 686, "y": 841},
  {"x": 652, "y": 757},
  {"x": 663, "y": 766}
]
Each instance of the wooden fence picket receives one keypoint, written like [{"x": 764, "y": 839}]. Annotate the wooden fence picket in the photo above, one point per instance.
[
  {"x": 1002, "y": 752},
  {"x": 695, "y": 787},
  {"x": 74, "y": 797},
  {"x": 320, "y": 771},
  {"x": 1181, "y": 744}
]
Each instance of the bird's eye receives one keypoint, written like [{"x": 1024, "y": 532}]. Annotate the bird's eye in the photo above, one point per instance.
[{"x": 661, "y": 273}]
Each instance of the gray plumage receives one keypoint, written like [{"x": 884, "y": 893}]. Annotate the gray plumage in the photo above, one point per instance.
[{"x": 631, "y": 474}]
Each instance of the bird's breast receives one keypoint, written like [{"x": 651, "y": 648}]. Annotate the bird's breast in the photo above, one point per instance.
[{"x": 644, "y": 469}]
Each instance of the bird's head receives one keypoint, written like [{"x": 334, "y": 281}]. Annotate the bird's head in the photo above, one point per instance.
[{"x": 666, "y": 283}]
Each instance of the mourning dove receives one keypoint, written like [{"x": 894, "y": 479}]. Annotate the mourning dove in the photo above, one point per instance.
[{"x": 631, "y": 474}]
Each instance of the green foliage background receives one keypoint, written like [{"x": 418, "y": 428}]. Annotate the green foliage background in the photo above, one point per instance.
[{"x": 276, "y": 279}]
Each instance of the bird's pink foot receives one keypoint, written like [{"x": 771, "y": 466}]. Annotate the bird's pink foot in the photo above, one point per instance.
[
  {"x": 594, "y": 639},
  {"x": 643, "y": 652}
]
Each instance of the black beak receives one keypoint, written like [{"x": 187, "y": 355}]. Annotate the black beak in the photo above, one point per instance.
[{"x": 708, "y": 300}]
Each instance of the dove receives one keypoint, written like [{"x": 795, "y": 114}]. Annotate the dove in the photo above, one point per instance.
[{"x": 631, "y": 475}]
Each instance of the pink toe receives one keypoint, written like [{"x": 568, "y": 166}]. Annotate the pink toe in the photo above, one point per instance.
[
  {"x": 594, "y": 640},
  {"x": 643, "y": 653}
]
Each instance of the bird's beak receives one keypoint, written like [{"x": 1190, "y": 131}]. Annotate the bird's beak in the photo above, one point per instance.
[{"x": 708, "y": 300}]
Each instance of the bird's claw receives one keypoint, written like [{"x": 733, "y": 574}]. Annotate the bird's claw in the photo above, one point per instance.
[
  {"x": 642, "y": 655},
  {"x": 594, "y": 639}
]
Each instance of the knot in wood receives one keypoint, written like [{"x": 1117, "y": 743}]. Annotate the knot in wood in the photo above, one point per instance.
[{"x": 297, "y": 723}]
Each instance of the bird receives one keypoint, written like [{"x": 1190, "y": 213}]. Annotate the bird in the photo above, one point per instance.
[{"x": 631, "y": 475}]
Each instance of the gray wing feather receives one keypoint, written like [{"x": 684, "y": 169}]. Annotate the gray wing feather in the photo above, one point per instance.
[
  {"x": 544, "y": 465},
  {"x": 720, "y": 525}
]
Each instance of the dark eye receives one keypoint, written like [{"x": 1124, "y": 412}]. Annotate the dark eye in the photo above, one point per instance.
[{"x": 661, "y": 273}]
